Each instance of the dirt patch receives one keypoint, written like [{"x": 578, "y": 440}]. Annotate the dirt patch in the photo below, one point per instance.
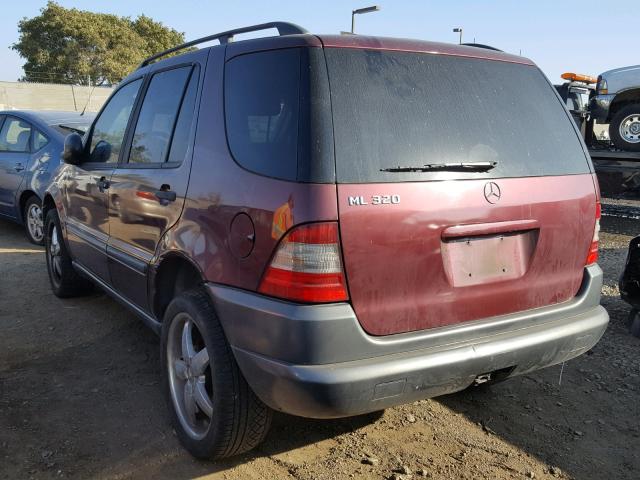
[{"x": 80, "y": 397}]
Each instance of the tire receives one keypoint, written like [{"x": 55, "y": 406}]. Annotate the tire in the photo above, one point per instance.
[
  {"x": 33, "y": 221},
  {"x": 65, "y": 281},
  {"x": 635, "y": 327},
  {"x": 237, "y": 420},
  {"x": 624, "y": 129}
]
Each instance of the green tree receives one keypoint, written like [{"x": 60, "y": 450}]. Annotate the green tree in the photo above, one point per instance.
[{"x": 86, "y": 48}]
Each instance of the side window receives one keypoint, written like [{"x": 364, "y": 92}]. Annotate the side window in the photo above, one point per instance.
[
  {"x": 157, "y": 118},
  {"x": 261, "y": 106},
  {"x": 182, "y": 130},
  {"x": 109, "y": 130},
  {"x": 15, "y": 135},
  {"x": 39, "y": 141}
]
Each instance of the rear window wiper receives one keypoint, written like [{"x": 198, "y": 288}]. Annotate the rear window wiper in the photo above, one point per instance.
[{"x": 446, "y": 167}]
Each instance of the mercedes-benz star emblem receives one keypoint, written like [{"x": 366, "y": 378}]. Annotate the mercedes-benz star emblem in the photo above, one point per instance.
[{"x": 492, "y": 192}]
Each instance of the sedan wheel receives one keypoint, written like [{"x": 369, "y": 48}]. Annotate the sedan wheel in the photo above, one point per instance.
[{"x": 33, "y": 220}]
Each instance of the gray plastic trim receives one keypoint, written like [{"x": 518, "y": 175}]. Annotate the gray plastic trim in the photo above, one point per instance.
[
  {"x": 324, "y": 334},
  {"x": 352, "y": 388}
]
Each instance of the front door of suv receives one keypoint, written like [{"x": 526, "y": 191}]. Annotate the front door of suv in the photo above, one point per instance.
[
  {"x": 148, "y": 187},
  {"x": 86, "y": 185}
]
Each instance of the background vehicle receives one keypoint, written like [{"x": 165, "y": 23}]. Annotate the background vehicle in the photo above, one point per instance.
[
  {"x": 630, "y": 285},
  {"x": 617, "y": 102},
  {"x": 617, "y": 169},
  {"x": 575, "y": 93},
  {"x": 30, "y": 148},
  {"x": 310, "y": 231}
]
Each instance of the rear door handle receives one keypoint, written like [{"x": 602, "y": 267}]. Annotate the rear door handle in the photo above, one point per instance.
[
  {"x": 19, "y": 167},
  {"x": 103, "y": 184}
]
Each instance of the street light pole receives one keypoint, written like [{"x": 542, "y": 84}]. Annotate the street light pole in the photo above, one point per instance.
[
  {"x": 458, "y": 30},
  {"x": 359, "y": 11}
]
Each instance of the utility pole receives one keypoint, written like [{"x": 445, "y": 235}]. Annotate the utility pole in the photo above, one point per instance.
[
  {"x": 458, "y": 30},
  {"x": 360, "y": 11}
]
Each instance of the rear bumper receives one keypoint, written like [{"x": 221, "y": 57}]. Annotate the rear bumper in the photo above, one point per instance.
[{"x": 315, "y": 361}]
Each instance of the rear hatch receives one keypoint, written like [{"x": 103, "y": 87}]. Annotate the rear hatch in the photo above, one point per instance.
[{"x": 430, "y": 248}]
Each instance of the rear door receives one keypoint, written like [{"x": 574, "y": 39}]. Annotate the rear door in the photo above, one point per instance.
[
  {"x": 86, "y": 186},
  {"x": 15, "y": 147},
  {"x": 148, "y": 188},
  {"x": 432, "y": 248}
]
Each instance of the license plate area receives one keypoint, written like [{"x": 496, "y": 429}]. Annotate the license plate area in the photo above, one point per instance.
[{"x": 489, "y": 258}]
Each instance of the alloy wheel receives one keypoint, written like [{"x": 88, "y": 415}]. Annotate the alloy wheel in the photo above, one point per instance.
[
  {"x": 190, "y": 379},
  {"x": 55, "y": 253},
  {"x": 35, "y": 223}
]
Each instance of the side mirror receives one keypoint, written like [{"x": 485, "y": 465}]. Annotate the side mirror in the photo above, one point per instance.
[
  {"x": 73, "y": 153},
  {"x": 101, "y": 152}
]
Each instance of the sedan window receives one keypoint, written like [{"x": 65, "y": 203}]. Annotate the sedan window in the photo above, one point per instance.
[
  {"x": 39, "y": 141},
  {"x": 15, "y": 135}
]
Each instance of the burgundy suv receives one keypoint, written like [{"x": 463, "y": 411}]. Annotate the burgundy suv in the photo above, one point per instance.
[{"x": 332, "y": 225}]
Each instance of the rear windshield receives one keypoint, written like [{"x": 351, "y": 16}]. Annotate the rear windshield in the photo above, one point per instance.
[{"x": 395, "y": 109}]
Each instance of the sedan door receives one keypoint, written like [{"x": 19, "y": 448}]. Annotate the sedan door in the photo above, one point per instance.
[
  {"x": 86, "y": 185},
  {"x": 15, "y": 145},
  {"x": 149, "y": 186}
]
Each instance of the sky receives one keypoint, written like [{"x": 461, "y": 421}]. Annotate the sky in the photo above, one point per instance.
[{"x": 587, "y": 36}]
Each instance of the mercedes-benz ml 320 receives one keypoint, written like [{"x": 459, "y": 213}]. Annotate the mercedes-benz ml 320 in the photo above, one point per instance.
[{"x": 332, "y": 225}]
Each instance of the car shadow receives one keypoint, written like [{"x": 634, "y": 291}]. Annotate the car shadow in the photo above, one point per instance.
[
  {"x": 580, "y": 417},
  {"x": 97, "y": 408},
  {"x": 80, "y": 390}
]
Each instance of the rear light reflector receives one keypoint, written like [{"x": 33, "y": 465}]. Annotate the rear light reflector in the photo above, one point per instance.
[
  {"x": 592, "y": 256},
  {"x": 307, "y": 266}
]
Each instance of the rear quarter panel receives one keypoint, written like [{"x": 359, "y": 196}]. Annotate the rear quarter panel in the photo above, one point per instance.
[{"x": 219, "y": 190}]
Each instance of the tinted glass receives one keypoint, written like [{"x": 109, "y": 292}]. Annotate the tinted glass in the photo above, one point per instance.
[
  {"x": 109, "y": 129},
  {"x": 39, "y": 141},
  {"x": 181, "y": 133},
  {"x": 262, "y": 106},
  {"x": 410, "y": 109},
  {"x": 158, "y": 115},
  {"x": 15, "y": 135}
]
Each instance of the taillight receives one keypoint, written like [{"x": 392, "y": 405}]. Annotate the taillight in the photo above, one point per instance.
[
  {"x": 592, "y": 257},
  {"x": 307, "y": 266}
]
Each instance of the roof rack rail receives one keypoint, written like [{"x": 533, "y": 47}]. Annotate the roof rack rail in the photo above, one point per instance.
[
  {"x": 284, "y": 28},
  {"x": 481, "y": 45}
]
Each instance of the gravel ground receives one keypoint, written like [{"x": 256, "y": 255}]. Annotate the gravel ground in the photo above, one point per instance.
[{"x": 80, "y": 398}]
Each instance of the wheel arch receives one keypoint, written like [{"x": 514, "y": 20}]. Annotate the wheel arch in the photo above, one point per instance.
[
  {"x": 47, "y": 204},
  {"x": 622, "y": 99},
  {"x": 22, "y": 202},
  {"x": 172, "y": 274}
]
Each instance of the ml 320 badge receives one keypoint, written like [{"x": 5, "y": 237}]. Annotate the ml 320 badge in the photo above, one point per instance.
[{"x": 375, "y": 200}]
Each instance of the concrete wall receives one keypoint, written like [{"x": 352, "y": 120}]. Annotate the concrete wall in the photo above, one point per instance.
[{"x": 51, "y": 96}]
